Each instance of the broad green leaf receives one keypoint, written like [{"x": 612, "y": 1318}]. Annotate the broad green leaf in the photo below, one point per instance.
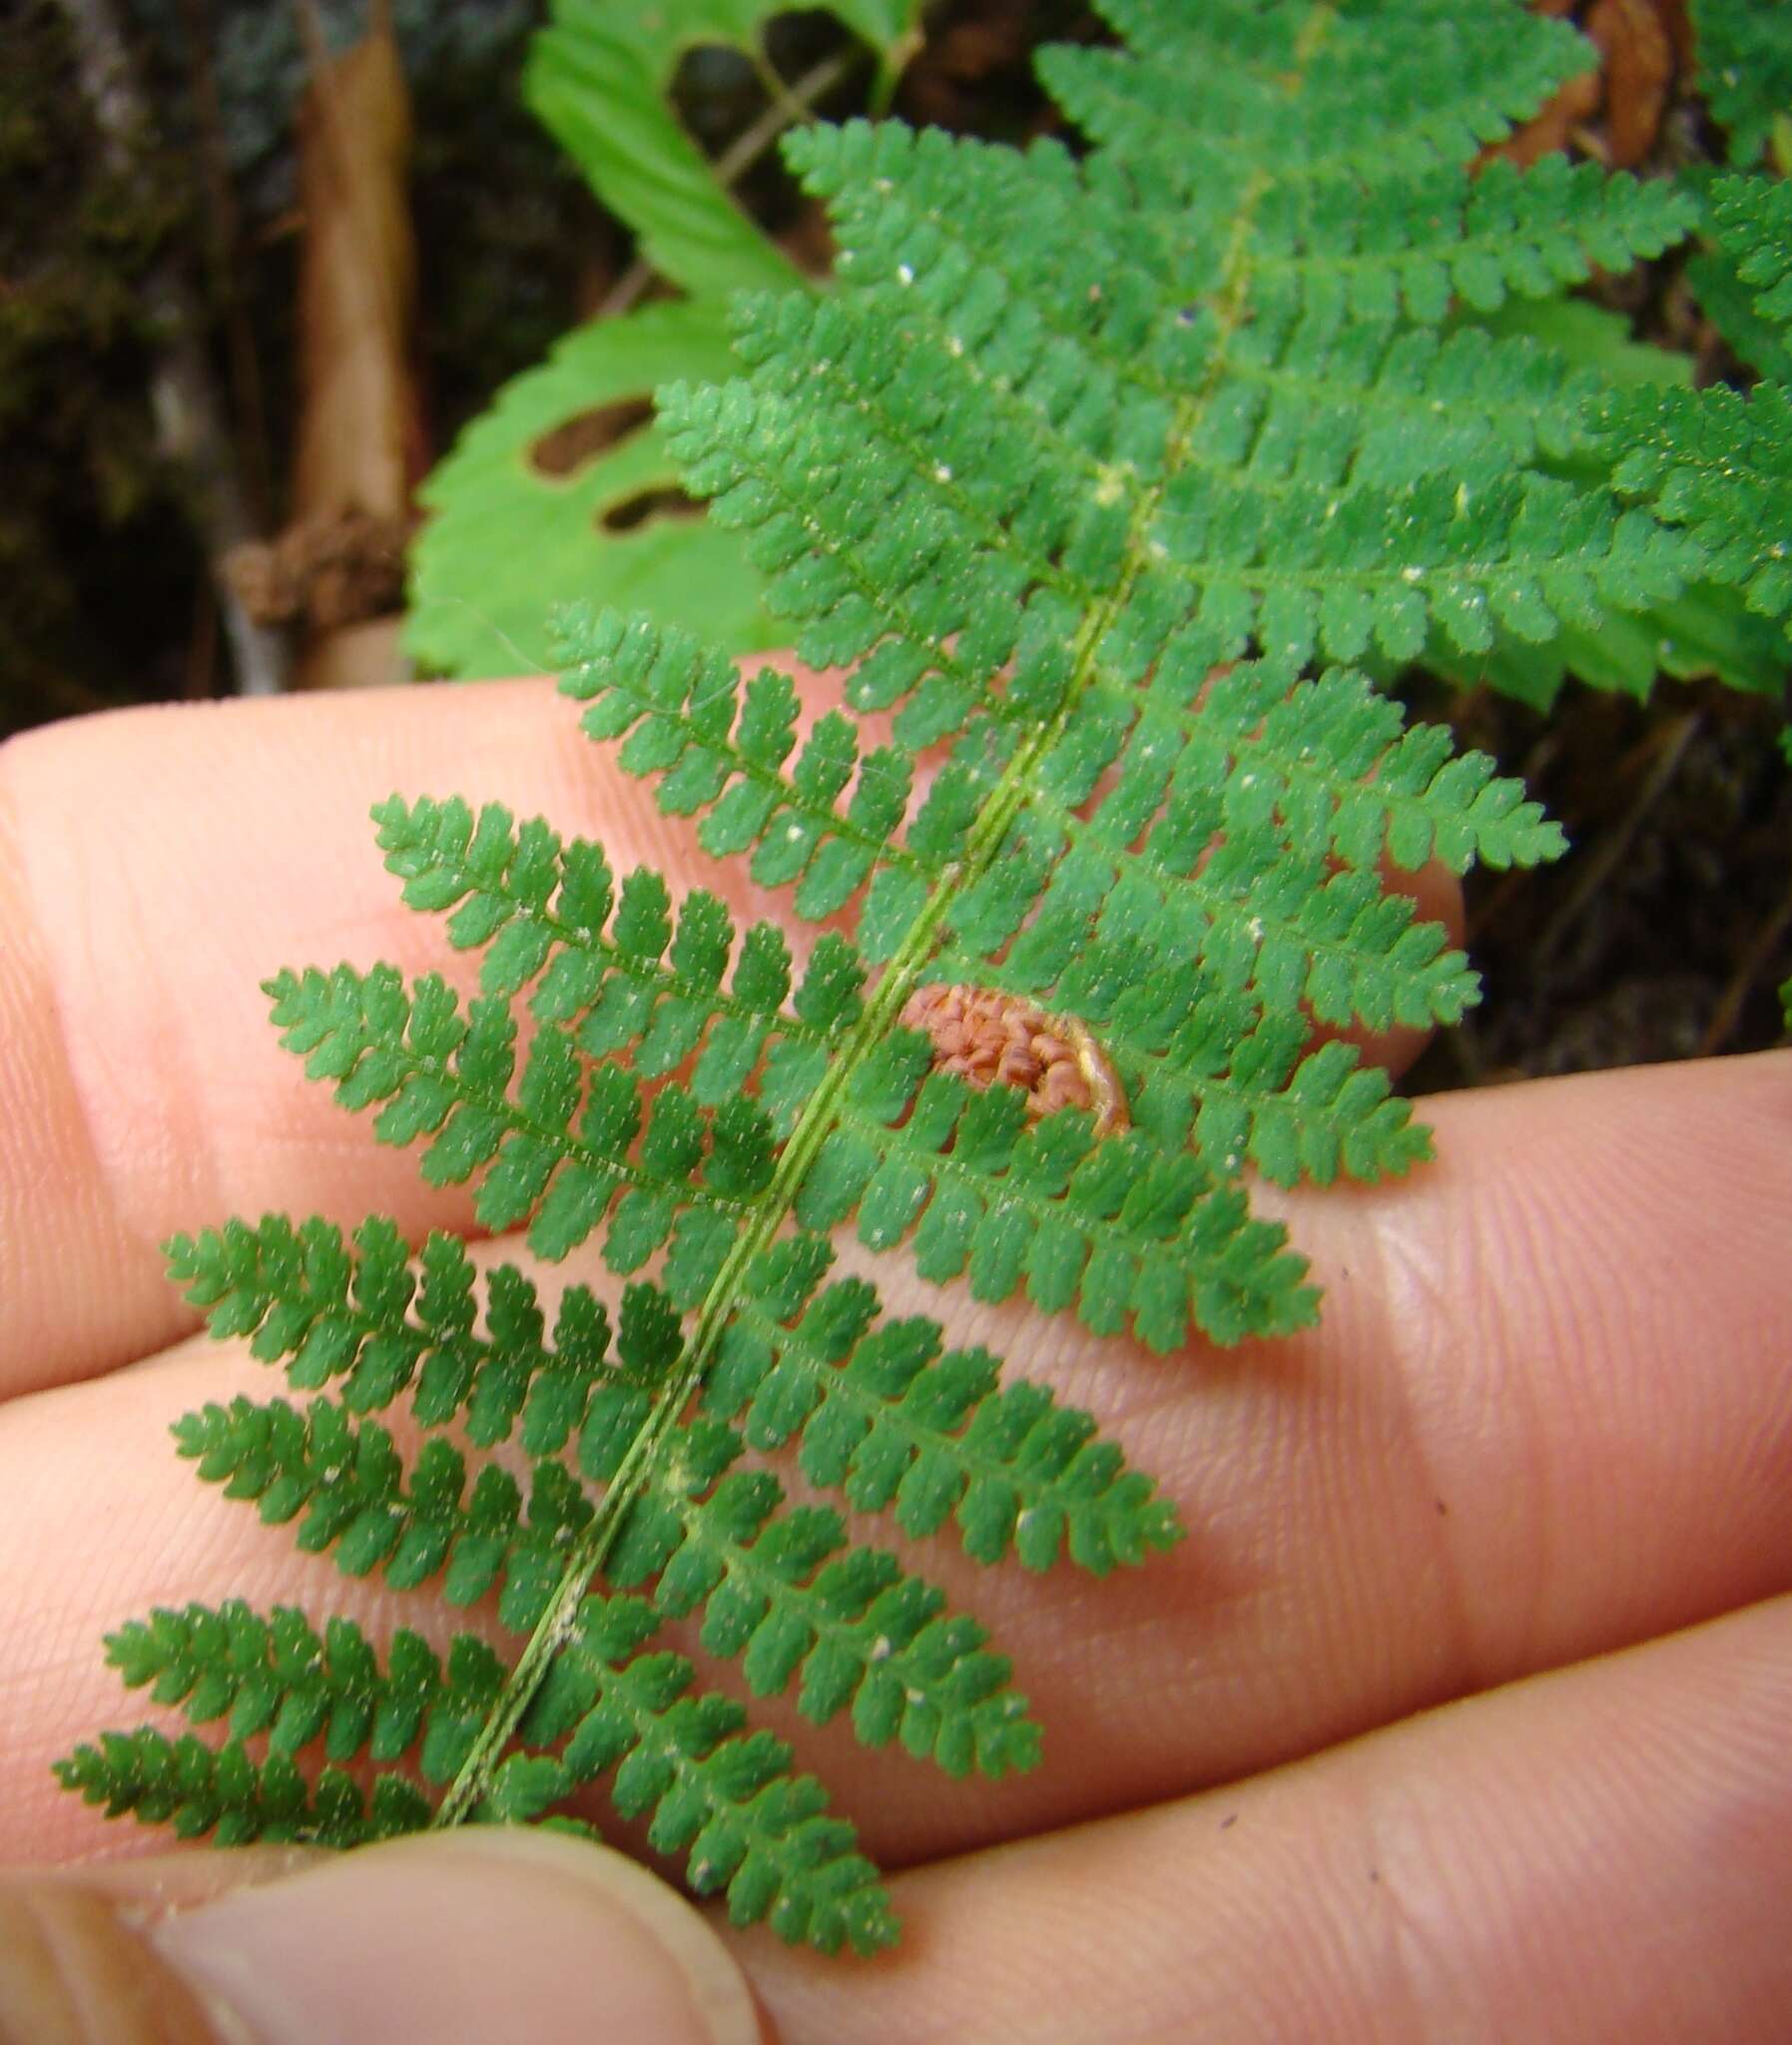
[{"x": 506, "y": 538}]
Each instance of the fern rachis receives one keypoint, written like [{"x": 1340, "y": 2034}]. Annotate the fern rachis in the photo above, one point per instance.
[{"x": 1096, "y": 513}]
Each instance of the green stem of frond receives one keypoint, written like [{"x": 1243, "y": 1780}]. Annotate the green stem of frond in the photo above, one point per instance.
[{"x": 984, "y": 840}]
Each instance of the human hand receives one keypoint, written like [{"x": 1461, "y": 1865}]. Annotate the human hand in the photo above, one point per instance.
[{"x": 1546, "y": 1425}]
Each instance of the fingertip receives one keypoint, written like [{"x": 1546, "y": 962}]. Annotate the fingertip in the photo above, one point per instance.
[{"x": 473, "y": 1937}]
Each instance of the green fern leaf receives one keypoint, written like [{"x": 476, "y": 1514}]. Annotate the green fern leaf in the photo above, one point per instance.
[
  {"x": 1745, "y": 69},
  {"x": 884, "y": 1414},
  {"x": 197, "y": 1789},
  {"x": 1720, "y": 465},
  {"x": 1297, "y": 777},
  {"x": 1742, "y": 225},
  {"x": 1584, "y": 351},
  {"x": 276, "y": 1675},
  {"x": 1714, "y": 461},
  {"x": 1750, "y": 219}
]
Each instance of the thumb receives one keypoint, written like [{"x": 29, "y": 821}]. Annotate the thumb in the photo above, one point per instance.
[{"x": 502, "y": 1936}]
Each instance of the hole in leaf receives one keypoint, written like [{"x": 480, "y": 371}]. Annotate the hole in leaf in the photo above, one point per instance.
[
  {"x": 663, "y": 502},
  {"x": 584, "y": 437}
]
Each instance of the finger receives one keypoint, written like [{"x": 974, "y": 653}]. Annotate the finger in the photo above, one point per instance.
[
  {"x": 1541, "y": 1365},
  {"x": 155, "y": 868},
  {"x": 1602, "y": 1854},
  {"x": 477, "y": 1936}
]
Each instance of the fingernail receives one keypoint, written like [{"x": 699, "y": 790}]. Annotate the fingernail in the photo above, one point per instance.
[{"x": 489, "y": 1936}]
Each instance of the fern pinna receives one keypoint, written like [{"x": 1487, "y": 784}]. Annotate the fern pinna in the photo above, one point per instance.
[
  {"x": 1715, "y": 462},
  {"x": 1089, "y": 471}
]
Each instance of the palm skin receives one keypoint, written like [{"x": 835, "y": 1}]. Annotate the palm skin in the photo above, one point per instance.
[{"x": 1461, "y": 1713}]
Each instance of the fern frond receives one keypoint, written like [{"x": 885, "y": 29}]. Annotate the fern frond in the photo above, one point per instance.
[
  {"x": 1745, "y": 69},
  {"x": 1098, "y": 512},
  {"x": 1222, "y": 923},
  {"x": 1705, "y": 630},
  {"x": 1739, "y": 279},
  {"x": 344, "y": 1482},
  {"x": 1750, "y": 219},
  {"x": 574, "y": 1145},
  {"x": 1719, "y": 463},
  {"x": 1127, "y": 1227},
  {"x": 1716, "y": 462},
  {"x": 1732, "y": 308},
  {"x": 785, "y": 1593},
  {"x": 782, "y": 1591}
]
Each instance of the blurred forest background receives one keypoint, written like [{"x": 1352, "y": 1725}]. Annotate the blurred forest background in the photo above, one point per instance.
[
  {"x": 261, "y": 260},
  {"x": 161, "y": 163}
]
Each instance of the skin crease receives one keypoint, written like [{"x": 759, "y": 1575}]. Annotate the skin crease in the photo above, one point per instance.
[{"x": 1458, "y": 1714}]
